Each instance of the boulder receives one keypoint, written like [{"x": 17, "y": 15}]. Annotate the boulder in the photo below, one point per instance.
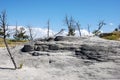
[
  {"x": 50, "y": 39},
  {"x": 39, "y": 53},
  {"x": 54, "y": 47},
  {"x": 35, "y": 54},
  {"x": 27, "y": 48},
  {"x": 67, "y": 38},
  {"x": 59, "y": 38},
  {"x": 38, "y": 48}
]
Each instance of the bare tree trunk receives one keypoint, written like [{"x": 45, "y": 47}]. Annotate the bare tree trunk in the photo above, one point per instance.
[
  {"x": 59, "y": 32},
  {"x": 78, "y": 25},
  {"x": 3, "y": 26},
  {"x": 79, "y": 30},
  {"x": 89, "y": 28},
  {"x": 48, "y": 28},
  {"x": 12, "y": 59},
  {"x": 100, "y": 25},
  {"x": 31, "y": 37},
  {"x": 30, "y": 32}
]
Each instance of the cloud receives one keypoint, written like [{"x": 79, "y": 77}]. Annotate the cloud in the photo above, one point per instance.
[
  {"x": 111, "y": 24},
  {"x": 37, "y": 32},
  {"x": 83, "y": 33},
  {"x": 42, "y": 32}
]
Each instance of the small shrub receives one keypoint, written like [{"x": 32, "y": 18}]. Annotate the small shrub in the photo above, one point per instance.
[{"x": 20, "y": 66}]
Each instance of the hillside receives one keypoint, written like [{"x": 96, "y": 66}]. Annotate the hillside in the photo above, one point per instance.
[{"x": 111, "y": 36}]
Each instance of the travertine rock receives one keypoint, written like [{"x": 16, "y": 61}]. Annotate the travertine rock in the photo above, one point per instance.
[{"x": 27, "y": 48}]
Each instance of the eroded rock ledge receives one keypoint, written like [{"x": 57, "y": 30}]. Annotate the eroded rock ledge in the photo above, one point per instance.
[{"x": 92, "y": 48}]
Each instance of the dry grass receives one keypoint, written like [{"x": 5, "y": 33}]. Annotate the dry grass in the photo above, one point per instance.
[
  {"x": 11, "y": 43},
  {"x": 112, "y": 36}
]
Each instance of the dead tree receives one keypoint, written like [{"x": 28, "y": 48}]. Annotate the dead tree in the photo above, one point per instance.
[
  {"x": 16, "y": 32},
  {"x": 3, "y": 26},
  {"x": 48, "y": 23},
  {"x": 61, "y": 31},
  {"x": 89, "y": 28},
  {"x": 100, "y": 25},
  {"x": 30, "y": 33},
  {"x": 70, "y": 22},
  {"x": 119, "y": 27},
  {"x": 78, "y": 25}
]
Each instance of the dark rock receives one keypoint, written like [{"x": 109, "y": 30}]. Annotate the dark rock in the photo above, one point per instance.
[
  {"x": 72, "y": 48},
  {"x": 59, "y": 38},
  {"x": 51, "y": 61},
  {"x": 38, "y": 48},
  {"x": 39, "y": 53},
  {"x": 44, "y": 54},
  {"x": 53, "y": 47},
  {"x": 35, "y": 54},
  {"x": 67, "y": 38},
  {"x": 79, "y": 54},
  {"x": 27, "y": 48},
  {"x": 41, "y": 47},
  {"x": 50, "y": 39}
]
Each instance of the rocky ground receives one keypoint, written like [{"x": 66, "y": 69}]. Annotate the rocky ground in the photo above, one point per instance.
[{"x": 86, "y": 58}]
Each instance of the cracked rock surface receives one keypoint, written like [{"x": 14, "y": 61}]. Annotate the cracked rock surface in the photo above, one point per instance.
[{"x": 89, "y": 58}]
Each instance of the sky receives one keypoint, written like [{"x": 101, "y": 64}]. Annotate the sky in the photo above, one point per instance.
[{"x": 37, "y": 12}]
